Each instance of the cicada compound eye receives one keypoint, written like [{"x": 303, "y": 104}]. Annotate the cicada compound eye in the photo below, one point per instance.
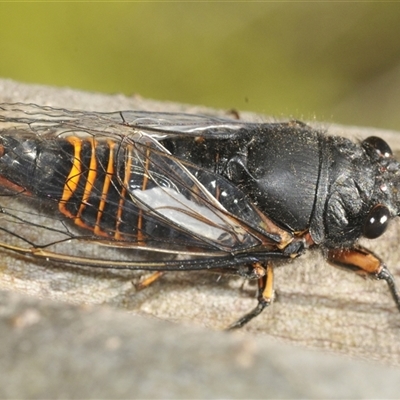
[
  {"x": 379, "y": 145},
  {"x": 377, "y": 222}
]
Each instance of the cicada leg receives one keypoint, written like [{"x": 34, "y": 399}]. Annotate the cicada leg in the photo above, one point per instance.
[
  {"x": 364, "y": 262},
  {"x": 149, "y": 280},
  {"x": 265, "y": 298}
]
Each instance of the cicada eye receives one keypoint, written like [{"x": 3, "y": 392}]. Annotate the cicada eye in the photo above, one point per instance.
[
  {"x": 377, "y": 222},
  {"x": 380, "y": 146}
]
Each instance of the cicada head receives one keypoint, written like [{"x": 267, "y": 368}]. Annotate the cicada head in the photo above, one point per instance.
[
  {"x": 387, "y": 187},
  {"x": 364, "y": 191}
]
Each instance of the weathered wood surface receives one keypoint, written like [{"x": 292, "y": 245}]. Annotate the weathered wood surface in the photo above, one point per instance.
[{"x": 317, "y": 306}]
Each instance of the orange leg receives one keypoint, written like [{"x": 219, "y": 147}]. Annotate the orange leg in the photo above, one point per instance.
[
  {"x": 149, "y": 280},
  {"x": 265, "y": 298},
  {"x": 364, "y": 262}
]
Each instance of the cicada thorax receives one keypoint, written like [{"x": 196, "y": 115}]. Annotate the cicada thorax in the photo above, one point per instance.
[{"x": 278, "y": 168}]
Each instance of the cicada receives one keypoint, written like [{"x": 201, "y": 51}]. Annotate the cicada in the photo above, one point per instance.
[{"x": 174, "y": 191}]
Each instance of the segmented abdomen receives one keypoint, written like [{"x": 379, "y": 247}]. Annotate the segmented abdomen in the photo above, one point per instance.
[{"x": 87, "y": 178}]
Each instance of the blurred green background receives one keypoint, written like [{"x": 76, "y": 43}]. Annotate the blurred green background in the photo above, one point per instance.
[{"x": 330, "y": 61}]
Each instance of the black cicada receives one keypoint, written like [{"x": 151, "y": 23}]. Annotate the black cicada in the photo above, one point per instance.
[{"x": 189, "y": 192}]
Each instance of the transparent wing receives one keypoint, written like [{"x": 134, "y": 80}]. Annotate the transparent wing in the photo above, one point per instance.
[
  {"x": 178, "y": 208},
  {"x": 52, "y": 121}
]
